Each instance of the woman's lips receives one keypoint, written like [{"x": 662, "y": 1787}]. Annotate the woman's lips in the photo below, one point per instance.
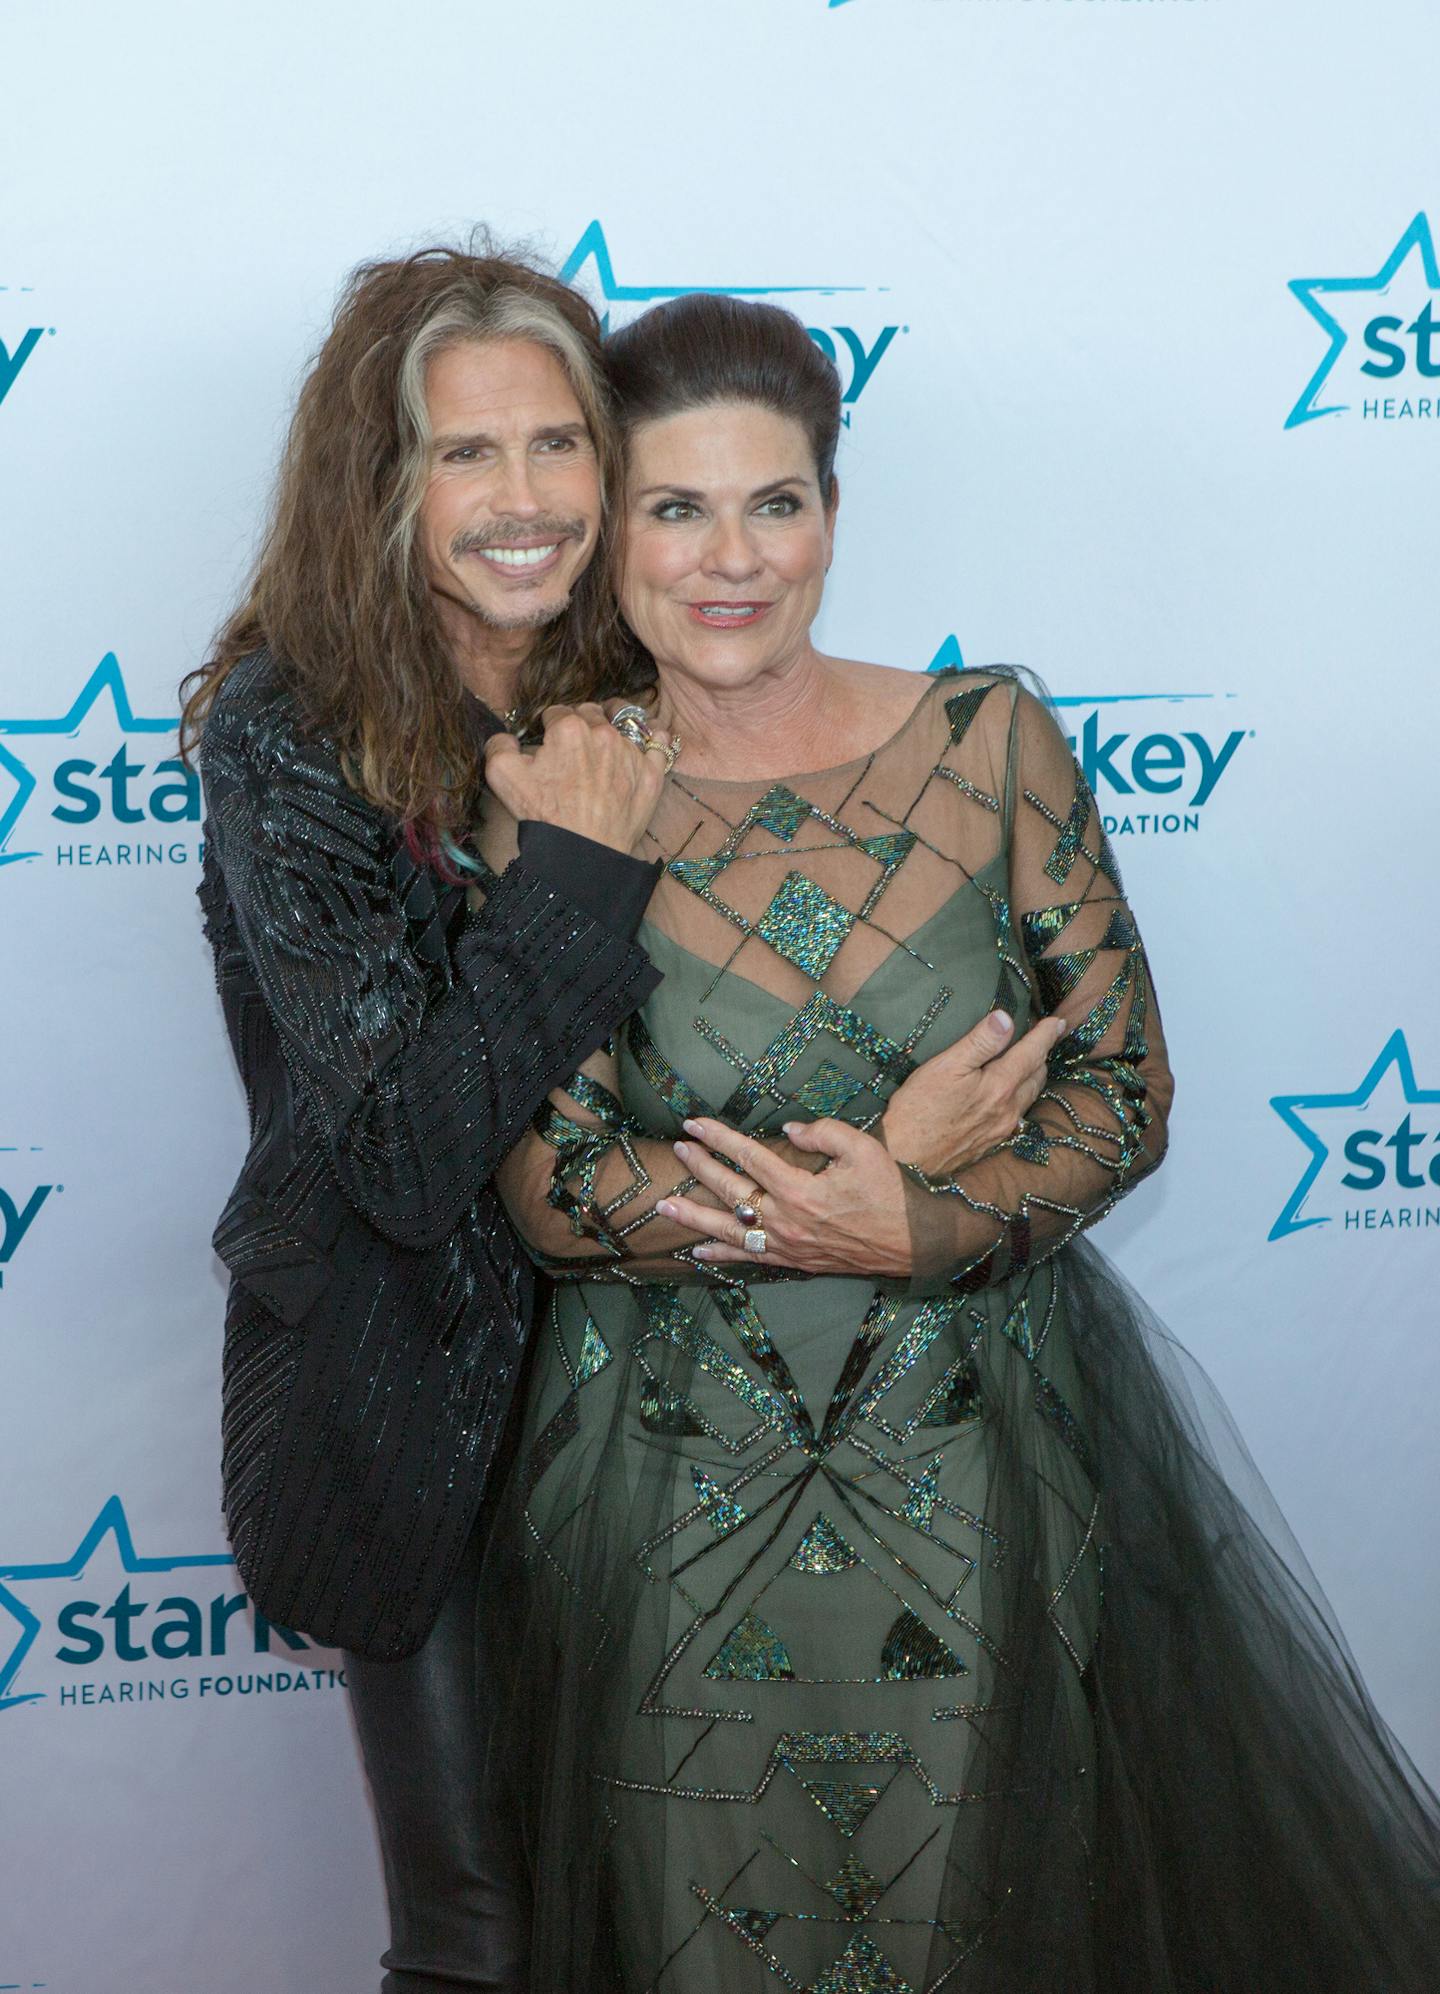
[{"x": 723, "y": 615}]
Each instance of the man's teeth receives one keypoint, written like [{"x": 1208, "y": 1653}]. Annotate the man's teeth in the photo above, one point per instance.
[{"x": 519, "y": 557}]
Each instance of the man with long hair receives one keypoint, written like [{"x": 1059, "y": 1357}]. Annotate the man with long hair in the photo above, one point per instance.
[{"x": 432, "y": 583}]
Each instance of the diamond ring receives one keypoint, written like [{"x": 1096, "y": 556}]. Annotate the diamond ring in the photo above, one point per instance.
[{"x": 632, "y": 723}]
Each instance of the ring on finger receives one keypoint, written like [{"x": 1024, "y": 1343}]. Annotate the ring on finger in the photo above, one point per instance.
[
  {"x": 755, "y": 1241},
  {"x": 748, "y": 1209},
  {"x": 632, "y": 723}
]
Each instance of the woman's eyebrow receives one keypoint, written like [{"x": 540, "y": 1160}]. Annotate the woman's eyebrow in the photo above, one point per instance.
[{"x": 688, "y": 491}]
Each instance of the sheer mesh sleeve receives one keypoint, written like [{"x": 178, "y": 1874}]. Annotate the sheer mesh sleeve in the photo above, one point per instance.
[
  {"x": 583, "y": 1186},
  {"x": 1100, "y": 1124}
]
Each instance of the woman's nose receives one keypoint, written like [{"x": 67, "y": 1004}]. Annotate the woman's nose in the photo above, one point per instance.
[{"x": 729, "y": 552}]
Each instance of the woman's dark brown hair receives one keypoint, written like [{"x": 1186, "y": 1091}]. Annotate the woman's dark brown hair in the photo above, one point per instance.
[
  {"x": 700, "y": 350},
  {"x": 339, "y": 593}
]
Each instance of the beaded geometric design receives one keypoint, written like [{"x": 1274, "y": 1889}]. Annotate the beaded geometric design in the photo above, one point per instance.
[
  {"x": 794, "y": 1431},
  {"x": 823, "y": 1551},
  {"x": 752, "y": 1651}
]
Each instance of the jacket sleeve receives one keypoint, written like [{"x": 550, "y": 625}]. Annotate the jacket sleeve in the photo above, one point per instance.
[
  {"x": 1067, "y": 932},
  {"x": 417, "y": 1084}
]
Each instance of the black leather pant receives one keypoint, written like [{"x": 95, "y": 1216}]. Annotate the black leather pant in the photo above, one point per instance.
[{"x": 459, "y": 1912}]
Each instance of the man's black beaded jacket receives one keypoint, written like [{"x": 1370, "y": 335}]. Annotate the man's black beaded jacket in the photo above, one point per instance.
[{"x": 394, "y": 1043}]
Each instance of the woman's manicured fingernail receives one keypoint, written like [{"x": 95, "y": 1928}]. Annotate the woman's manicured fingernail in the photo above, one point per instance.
[
  {"x": 665, "y": 1209},
  {"x": 691, "y": 1128},
  {"x": 789, "y": 1128},
  {"x": 682, "y": 1150},
  {"x": 702, "y": 1253},
  {"x": 1003, "y": 1022}
]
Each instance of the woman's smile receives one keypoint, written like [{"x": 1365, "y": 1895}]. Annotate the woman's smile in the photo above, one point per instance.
[{"x": 728, "y": 615}]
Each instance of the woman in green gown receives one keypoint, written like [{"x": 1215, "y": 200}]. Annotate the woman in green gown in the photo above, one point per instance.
[{"x": 879, "y": 1618}]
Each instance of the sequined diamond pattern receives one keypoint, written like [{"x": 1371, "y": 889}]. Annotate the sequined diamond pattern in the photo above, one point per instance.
[{"x": 760, "y": 1512}]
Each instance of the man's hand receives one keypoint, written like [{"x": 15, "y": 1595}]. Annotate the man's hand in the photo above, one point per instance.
[
  {"x": 957, "y": 1106},
  {"x": 584, "y": 777}
]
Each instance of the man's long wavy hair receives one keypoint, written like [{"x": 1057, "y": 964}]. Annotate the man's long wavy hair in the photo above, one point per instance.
[{"x": 339, "y": 595}]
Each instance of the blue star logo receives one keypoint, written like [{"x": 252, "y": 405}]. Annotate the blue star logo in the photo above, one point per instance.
[
  {"x": 106, "y": 678},
  {"x": 111, "y": 1522},
  {"x": 1292, "y": 1108},
  {"x": 947, "y": 658},
  {"x": 592, "y": 248},
  {"x": 1310, "y": 290}
]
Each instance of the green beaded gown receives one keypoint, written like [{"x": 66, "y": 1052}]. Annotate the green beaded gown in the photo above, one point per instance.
[{"x": 905, "y": 1636}]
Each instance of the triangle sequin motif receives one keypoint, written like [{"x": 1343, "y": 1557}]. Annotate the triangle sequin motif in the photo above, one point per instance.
[
  {"x": 843, "y": 1802},
  {"x": 862, "y": 1969},
  {"x": 912, "y": 1653},
  {"x": 751, "y": 1652},
  {"x": 822, "y": 1550},
  {"x": 595, "y": 1353}
]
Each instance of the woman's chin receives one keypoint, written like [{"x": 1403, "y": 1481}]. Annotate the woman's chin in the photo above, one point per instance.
[{"x": 724, "y": 662}]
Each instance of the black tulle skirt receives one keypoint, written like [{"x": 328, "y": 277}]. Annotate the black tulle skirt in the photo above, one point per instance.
[{"x": 1174, "y": 1783}]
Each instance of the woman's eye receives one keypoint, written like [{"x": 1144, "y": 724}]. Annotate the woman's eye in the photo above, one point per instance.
[
  {"x": 675, "y": 509},
  {"x": 784, "y": 505}
]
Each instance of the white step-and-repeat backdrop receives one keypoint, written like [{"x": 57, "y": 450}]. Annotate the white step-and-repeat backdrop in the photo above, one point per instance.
[{"x": 1134, "y": 302}]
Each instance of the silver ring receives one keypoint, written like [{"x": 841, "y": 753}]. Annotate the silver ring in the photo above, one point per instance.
[
  {"x": 632, "y": 723},
  {"x": 755, "y": 1240}
]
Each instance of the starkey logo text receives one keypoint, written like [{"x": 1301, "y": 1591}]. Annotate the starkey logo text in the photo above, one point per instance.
[
  {"x": 1373, "y": 1163},
  {"x": 19, "y": 342},
  {"x": 846, "y": 321},
  {"x": 96, "y": 785},
  {"x": 24, "y": 1194},
  {"x": 1155, "y": 760},
  {"x": 1383, "y": 357},
  {"x": 103, "y": 1627}
]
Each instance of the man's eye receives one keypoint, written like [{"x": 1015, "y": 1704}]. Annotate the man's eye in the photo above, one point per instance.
[
  {"x": 558, "y": 443},
  {"x": 465, "y": 454}
]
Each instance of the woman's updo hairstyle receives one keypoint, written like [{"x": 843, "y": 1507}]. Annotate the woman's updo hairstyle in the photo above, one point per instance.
[{"x": 700, "y": 350}]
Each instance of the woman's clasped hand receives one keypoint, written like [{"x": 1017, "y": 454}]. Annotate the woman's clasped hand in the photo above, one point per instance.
[{"x": 841, "y": 1210}]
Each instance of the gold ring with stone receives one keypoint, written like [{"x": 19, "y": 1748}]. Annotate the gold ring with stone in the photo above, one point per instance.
[{"x": 748, "y": 1209}]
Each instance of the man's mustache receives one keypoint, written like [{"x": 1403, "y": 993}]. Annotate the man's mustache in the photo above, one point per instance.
[{"x": 514, "y": 536}]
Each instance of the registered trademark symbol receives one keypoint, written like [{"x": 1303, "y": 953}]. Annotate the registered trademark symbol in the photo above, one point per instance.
[{"x": 59, "y": 1187}]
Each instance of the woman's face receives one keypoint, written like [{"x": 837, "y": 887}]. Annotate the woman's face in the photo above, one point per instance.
[{"x": 727, "y": 540}]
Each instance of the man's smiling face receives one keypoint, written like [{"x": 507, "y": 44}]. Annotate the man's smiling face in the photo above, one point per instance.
[{"x": 511, "y": 513}]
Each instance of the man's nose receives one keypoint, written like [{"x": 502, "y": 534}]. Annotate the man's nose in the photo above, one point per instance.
[
  {"x": 514, "y": 489},
  {"x": 729, "y": 552}
]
